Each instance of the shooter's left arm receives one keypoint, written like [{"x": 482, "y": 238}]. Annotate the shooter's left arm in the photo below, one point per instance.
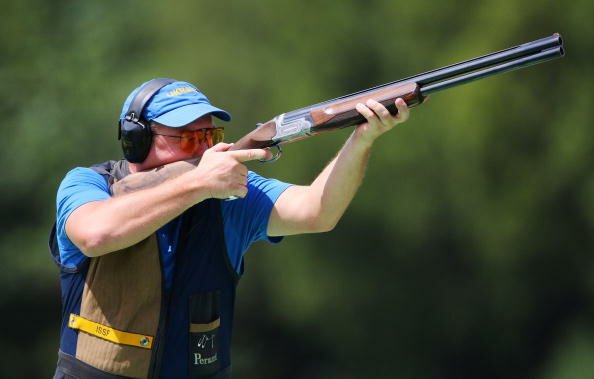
[{"x": 319, "y": 206}]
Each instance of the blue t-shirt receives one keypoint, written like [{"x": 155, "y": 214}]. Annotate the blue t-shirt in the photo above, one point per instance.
[{"x": 244, "y": 220}]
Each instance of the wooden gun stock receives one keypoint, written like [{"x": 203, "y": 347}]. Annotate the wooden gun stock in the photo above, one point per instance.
[{"x": 150, "y": 178}]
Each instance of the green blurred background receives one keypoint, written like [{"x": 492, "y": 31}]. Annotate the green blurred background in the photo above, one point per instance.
[{"x": 467, "y": 253}]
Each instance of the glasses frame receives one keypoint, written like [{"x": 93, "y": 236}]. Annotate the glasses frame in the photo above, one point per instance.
[{"x": 192, "y": 135}]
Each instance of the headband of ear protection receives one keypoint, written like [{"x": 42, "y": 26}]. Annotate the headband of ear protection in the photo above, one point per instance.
[{"x": 134, "y": 130}]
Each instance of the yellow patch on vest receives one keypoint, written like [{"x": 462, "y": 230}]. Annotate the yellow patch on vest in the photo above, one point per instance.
[{"x": 108, "y": 333}]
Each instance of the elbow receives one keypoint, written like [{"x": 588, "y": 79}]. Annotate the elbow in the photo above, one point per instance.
[
  {"x": 90, "y": 230},
  {"x": 322, "y": 225},
  {"x": 92, "y": 250},
  {"x": 91, "y": 244},
  {"x": 321, "y": 219}
]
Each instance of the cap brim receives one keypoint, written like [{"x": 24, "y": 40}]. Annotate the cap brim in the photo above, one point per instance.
[{"x": 184, "y": 115}]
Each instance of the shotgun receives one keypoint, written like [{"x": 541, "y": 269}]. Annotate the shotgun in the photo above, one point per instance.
[{"x": 340, "y": 113}]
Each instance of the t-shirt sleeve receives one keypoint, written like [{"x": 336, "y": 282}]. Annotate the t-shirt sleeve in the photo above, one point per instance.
[
  {"x": 80, "y": 186},
  {"x": 246, "y": 220}
]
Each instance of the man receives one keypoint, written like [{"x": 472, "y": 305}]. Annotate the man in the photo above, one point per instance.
[{"x": 148, "y": 276}]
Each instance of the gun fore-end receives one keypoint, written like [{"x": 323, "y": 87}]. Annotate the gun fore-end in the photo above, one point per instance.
[{"x": 342, "y": 113}]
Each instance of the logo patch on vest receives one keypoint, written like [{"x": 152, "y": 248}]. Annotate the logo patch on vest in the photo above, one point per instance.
[
  {"x": 204, "y": 336},
  {"x": 204, "y": 347}
]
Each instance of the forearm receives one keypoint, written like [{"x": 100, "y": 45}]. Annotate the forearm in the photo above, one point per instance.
[
  {"x": 336, "y": 186},
  {"x": 319, "y": 206},
  {"x": 102, "y": 227}
]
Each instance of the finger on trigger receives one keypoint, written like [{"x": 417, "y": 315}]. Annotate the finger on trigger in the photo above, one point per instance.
[{"x": 251, "y": 154}]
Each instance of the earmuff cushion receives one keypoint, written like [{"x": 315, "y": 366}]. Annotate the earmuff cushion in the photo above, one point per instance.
[{"x": 136, "y": 139}]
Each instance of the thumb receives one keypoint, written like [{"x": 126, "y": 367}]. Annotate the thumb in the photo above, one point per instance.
[{"x": 221, "y": 146}]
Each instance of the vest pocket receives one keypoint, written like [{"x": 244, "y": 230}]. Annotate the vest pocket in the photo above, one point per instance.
[{"x": 204, "y": 334}]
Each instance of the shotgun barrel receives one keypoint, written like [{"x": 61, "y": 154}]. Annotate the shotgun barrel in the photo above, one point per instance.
[{"x": 448, "y": 72}]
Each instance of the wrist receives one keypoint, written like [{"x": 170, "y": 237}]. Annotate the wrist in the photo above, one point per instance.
[
  {"x": 195, "y": 188},
  {"x": 362, "y": 138}
]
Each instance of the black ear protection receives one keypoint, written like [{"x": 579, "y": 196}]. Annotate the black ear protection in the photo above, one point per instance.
[{"x": 134, "y": 130}]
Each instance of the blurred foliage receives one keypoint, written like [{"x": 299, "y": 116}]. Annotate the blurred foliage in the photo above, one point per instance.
[{"x": 469, "y": 250}]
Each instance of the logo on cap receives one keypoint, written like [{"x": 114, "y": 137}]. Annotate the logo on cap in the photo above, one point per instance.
[{"x": 181, "y": 90}]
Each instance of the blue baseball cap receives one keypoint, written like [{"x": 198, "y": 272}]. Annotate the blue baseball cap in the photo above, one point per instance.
[{"x": 176, "y": 105}]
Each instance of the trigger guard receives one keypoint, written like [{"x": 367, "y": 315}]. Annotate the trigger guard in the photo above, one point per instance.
[{"x": 276, "y": 156}]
